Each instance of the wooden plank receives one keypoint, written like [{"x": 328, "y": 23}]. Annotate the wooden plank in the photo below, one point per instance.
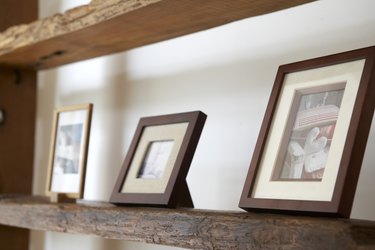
[
  {"x": 15, "y": 12},
  {"x": 189, "y": 228},
  {"x": 13, "y": 238},
  {"x": 105, "y": 27},
  {"x": 17, "y": 99}
]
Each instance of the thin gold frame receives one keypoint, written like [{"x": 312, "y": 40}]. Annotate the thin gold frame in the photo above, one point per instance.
[{"x": 86, "y": 135}]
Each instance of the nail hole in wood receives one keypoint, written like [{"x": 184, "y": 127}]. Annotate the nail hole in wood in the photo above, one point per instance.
[
  {"x": 17, "y": 76},
  {"x": 49, "y": 56},
  {"x": 2, "y": 116}
]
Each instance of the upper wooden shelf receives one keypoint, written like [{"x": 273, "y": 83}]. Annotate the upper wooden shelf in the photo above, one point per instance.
[
  {"x": 189, "y": 228},
  {"x": 108, "y": 26}
]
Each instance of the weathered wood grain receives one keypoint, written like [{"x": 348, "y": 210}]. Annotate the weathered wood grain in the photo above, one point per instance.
[
  {"x": 105, "y": 27},
  {"x": 189, "y": 228},
  {"x": 18, "y": 100}
]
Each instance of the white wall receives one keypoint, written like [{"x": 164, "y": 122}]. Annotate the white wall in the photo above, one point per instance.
[{"x": 226, "y": 72}]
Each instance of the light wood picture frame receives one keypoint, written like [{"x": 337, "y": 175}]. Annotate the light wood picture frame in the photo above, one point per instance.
[
  {"x": 68, "y": 152},
  {"x": 158, "y": 160},
  {"x": 311, "y": 144}
]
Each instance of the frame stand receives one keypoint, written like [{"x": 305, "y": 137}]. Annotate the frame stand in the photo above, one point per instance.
[
  {"x": 184, "y": 197},
  {"x": 61, "y": 198}
]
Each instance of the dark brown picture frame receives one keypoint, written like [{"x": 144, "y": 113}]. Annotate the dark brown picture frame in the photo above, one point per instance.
[
  {"x": 348, "y": 162},
  {"x": 176, "y": 192}
]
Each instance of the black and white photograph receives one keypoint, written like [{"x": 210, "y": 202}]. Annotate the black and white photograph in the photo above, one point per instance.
[
  {"x": 68, "y": 147},
  {"x": 311, "y": 134}
]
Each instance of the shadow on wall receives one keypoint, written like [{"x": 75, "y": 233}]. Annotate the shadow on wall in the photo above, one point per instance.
[
  {"x": 106, "y": 147},
  {"x": 234, "y": 96},
  {"x": 46, "y": 99},
  {"x": 222, "y": 93}
]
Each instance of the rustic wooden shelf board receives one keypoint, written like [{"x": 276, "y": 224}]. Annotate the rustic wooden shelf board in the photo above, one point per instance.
[
  {"x": 105, "y": 27},
  {"x": 189, "y": 228}
]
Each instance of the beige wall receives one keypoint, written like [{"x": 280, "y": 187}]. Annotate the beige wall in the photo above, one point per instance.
[{"x": 226, "y": 72}]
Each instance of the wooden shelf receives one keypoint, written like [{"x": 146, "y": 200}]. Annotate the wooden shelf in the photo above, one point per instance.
[
  {"x": 108, "y": 26},
  {"x": 189, "y": 228}
]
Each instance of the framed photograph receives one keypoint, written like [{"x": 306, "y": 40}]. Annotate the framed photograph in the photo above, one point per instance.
[
  {"x": 158, "y": 160},
  {"x": 68, "y": 153},
  {"x": 310, "y": 148}
]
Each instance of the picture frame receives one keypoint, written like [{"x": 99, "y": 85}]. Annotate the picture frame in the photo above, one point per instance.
[
  {"x": 68, "y": 151},
  {"x": 311, "y": 144},
  {"x": 158, "y": 160}
]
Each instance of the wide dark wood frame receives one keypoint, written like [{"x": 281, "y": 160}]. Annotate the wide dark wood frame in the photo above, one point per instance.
[
  {"x": 176, "y": 192},
  {"x": 86, "y": 137},
  {"x": 355, "y": 144}
]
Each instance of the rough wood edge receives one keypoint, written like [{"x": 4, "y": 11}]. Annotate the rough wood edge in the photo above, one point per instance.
[
  {"x": 189, "y": 228},
  {"x": 106, "y": 27},
  {"x": 62, "y": 23}
]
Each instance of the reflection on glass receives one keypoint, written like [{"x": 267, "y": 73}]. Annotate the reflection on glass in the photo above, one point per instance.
[{"x": 155, "y": 159}]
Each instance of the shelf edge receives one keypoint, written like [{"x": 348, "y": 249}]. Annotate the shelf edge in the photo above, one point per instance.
[
  {"x": 188, "y": 228},
  {"x": 106, "y": 27}
]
